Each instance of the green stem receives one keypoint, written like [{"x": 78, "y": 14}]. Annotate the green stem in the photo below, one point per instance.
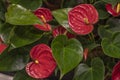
[
  {"x": 107, "y": 75},
  {"x": 61, "y": 76},
  {"x": 92, "y": 37},
  {"x": 65, "y": 33}
]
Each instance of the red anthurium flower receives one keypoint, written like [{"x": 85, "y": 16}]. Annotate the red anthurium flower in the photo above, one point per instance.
[
  {"x": 82, "y": 17},
  {"x": 60, "y": 30},
  {"x": 116, "y": 72},
  {"x": 86, "y": 53},
  {"x": 2, "y": 47},
  {"x": 45, "y": 16},
  {"x": 43, "y": 63},
  {"x": 115, "y": 11}
]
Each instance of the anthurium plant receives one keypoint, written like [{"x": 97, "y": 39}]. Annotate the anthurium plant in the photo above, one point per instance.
[{"x": 60, "y": 39}]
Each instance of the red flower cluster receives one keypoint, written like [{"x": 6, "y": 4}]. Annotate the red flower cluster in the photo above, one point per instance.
[
  {"x": 43, "y": 63},
  {"x": 60, "y": 30},
  {"x": 116, "y": 72},
  {"x": 114, "y": 11},
  {"x": 82, "y": 17},
  {"x": 45, "y": 16}
]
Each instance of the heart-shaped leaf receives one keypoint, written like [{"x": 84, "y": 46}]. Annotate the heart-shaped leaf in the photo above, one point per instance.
[
  {"x": 29, "y": 4},
  {"x": 67, "y": 53},
  {"x": 114, "y": 24},
  {"x": 70, "y": 3},
  {"x": 18, "y": 15},
  {"x": 22, "y": 75},
  {"x": 30, "y": 35},
  {"x": 6, "y": 31},
  {"x": 61, "y": 16},
  {"x": 14, "y": 60},
  {"x": 100, "y": 5},
  {"x": 104, "y": 32},
  {"x": 95, "y": 72},
  {"x": 111, "y": 1},
  {"x": 111, "y": 46},
  {"x": 2, "y": 10},
  {"x": 20, "y": 36}
]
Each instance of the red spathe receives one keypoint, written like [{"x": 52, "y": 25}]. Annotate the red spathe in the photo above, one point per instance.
[
  {"x": 45, "y": 16},
  {"x": 112, "y": 10},
  {"x": 43, "y": 63},
  {"x": 116, "y": 72},
  {"x": 82, "y": 17},
  {"x": 62, "y": 31},
  {"x": 2, "y": 47}
]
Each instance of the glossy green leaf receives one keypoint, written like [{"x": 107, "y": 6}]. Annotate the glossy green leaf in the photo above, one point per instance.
[
  {"x": 29, "y": 4},
  {"x": 20, "y": 36},
  {"x": 6, "y": 30},
  {"x": 61, "y": 16},
  {"x": 29, "y": 36},
  {"x": 95, "y": 72},
  {"x": 44, "y": 39},
  {"x": 111, "y": 46},
  {"x": 100, "y": 6},
  {"x": 104, "y": 32},
  {"x": 18, "y": 15},
  {"x": 114, "y": 24},
  {"x": 22, "y": 75},
  {"x": 103, "y": 14},
  {"x": 2, "y": 10},
  {"x": 70, "y": 3},
  {"x": 112, "y": 2},
  {"x": 67, "y": 53},
  {"x": 1, "y": 24},
  {"x": 14, "y": 60}
]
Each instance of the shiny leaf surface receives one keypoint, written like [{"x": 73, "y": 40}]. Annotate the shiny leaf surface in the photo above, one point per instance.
[
  {"x": 12, "y": 35},
  {"x": 100, "y": 6},
  {"x": 95, "y": 72},
  {"x": 111, "y": 46},
  {"x": 18, "y": 15},
  {"x": 22, "y": 75},
  {"x": 29, "y": 4},
  {"x": 2, "y": 10},
  {"x": 14, "y": 60},
  {"x": 67, "y": 53},
  {"x": 61, "y": 16}
]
